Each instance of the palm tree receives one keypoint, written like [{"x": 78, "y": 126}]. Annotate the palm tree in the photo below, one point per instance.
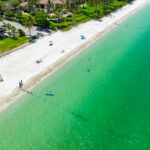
[
  {"x": 8, "y": 26},
  {"x": 32, "y": 4},
  {"x": 13, "y": 31},
  {"x": 58, "y": 11},
  {"x": 1, "y": 6},
  {"x": 96, "y": 4},
  {"x": 68, "y": 5},
  {"x": 74, "y": 4},
  {"x": 83, "y": 3},
  {"x": 90, "y": 2},
  {"x": 49, "y": 5},
  {"x": 28, "y": 23},
  {"x": 2, "y": 18}
]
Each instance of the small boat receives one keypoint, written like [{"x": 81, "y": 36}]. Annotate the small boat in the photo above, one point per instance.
[{"x": 49, "y": 93}]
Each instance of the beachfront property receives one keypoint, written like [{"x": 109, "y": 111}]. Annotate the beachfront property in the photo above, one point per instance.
[
  {"x": 43, "y": 4},
  {"x": 56, "y": 14},
  {"x": 35, "y": 19}
]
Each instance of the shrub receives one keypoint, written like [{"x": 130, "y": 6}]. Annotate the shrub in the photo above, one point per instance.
[
  {"x": 42, "y": 19},
  {"x": 12, "y": 19},
  {"x": 53, "y": 26},
  {"x": 24, "y": 17},
  {"x": 15, "y": 3},
  {"x": 10, "y": 14},
  {"x": 78, "y": 19},
  {"x": 21, "y": 32},
  {"x": 18, "y": 14}
]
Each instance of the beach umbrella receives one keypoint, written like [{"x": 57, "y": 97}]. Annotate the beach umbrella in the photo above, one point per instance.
[{"x": 82, "y": 36}]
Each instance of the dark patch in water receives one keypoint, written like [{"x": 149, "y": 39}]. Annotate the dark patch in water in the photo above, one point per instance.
[
  {"x": 58, "y": 106},
  {"x": 28, "y": 92},
  {"x": 78, "y": 116}
]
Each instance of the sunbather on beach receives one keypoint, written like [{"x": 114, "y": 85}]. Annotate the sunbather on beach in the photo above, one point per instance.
[
  {"x": 39, "y": 61},
  {"x": 62, "y": 51}
]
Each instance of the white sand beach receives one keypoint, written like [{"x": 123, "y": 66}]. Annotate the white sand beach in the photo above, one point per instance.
[{"x": 21, "y": 64}]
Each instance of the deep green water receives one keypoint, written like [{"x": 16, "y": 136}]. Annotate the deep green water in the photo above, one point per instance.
[{"x": 107, "y": 108}]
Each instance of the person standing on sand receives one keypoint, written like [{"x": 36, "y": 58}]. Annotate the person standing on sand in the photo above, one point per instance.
[
  {"x": 1, "y": 78},
  {"x": 20, "y": 84}
]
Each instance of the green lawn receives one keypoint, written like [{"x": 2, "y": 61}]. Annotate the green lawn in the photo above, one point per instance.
[
  {"x": 8, "y": 44},
  {"x": 85, "y": 14}
]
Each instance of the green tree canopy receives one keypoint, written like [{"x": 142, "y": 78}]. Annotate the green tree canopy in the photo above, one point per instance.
[{"x": 42, "y": 19}]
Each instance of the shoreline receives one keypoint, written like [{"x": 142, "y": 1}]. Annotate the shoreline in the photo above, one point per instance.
[{"x": 61, "y": 39}]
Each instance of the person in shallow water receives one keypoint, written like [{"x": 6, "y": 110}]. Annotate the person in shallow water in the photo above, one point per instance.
[
  {"x": 88, "y": 70},
  {"x": 89, "y": 61}
]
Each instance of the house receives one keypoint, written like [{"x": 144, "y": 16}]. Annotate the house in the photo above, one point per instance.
[{"x": 43, "y": 3}]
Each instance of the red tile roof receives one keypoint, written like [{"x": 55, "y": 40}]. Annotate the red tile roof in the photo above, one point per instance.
[
  {"x": 44, "y": 2},
  {"x": 58, "y": 1},
  {"x": 54, "y": 1},
  {"x": 23, "y": 4}
]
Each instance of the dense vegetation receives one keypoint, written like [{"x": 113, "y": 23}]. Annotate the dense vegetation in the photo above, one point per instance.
[
  {"x": 54, "y": 16},
  {"x": 58, "y": 16}
]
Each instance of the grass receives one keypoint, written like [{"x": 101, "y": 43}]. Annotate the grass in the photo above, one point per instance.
[
  {"x": 12, "y": 19},
  {"x": 67, "y": 25},
  {"x": 87, "y": 13},
  {"x": 76, "y": 23},
  {"x": 80, "y": 15},
  {"x": 8, "y": 43}
]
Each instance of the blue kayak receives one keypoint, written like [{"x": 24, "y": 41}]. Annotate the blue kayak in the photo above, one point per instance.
[{"x": 49, "y": 93}]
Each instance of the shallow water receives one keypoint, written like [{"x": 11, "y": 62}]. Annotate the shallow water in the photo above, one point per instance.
[{"x": 107, "y": 108}]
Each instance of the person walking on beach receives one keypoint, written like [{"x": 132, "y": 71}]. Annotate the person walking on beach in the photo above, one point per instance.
[
  {"x": 20, "y": 84},
  {"x": 1, "y": 78}
]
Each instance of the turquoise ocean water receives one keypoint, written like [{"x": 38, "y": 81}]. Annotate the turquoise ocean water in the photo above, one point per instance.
[{"x": 107, "y": 108}]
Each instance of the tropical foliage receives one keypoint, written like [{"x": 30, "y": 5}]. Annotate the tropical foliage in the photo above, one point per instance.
[{"x": 58, "y": 15}]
